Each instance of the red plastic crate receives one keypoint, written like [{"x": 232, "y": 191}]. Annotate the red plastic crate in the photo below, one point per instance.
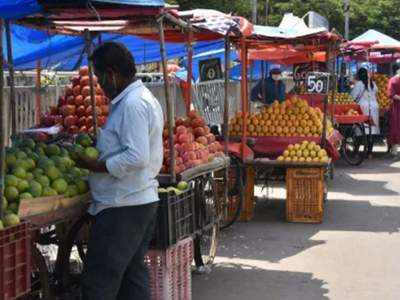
[
  {"x": 170, "y": 271},
  {"x": 15, "y": 261}
]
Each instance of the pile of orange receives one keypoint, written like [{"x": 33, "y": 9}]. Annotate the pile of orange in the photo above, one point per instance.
[
  {"x": 294, "y": 117},
  {"x": 340, "y": 98},
  {"x": 304, "y": 152},
  {"x": 382, "y": 81}
]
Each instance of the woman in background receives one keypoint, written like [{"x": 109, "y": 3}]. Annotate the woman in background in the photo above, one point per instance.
[{"x": 364, "y": 93}]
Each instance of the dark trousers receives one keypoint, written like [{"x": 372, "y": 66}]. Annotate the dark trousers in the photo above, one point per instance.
[{"x": 115, "y": 268}]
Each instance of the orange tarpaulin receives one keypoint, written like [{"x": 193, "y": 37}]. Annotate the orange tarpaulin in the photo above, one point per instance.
[{"x": 286, "y": 54}]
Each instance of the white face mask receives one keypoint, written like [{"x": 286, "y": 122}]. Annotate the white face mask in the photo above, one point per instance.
[{"x": 276, "y": 77}]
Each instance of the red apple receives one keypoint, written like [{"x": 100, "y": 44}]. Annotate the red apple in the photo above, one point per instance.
[
  {"x": 85, "y": 91},
  {"x": 181, "y": 129},
  {"x": 68, "y": 90},
  {"x": 73, "y": 129},
  {"x": 76, "y": 90},
  {"x": 87, "y": 101},
  {"x": 78, "y": 100},
  {"x": 75, "y": 80},
  {"x": 84, "y": 81},
  {"x": 199, "y": 131},
  {"x": 82, "y": 121},
  {"x": 84, "y": 71},
  {"x": 69, "y": 121},
  {"x": 67, "y": 110},
  {"x": 71, "y": 100}
]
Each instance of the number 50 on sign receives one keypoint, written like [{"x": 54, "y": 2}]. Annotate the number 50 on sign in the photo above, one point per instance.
[{"x": 317, "y": 83}]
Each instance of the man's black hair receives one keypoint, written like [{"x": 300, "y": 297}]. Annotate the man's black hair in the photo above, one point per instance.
[{"x": 115, "y": 56}]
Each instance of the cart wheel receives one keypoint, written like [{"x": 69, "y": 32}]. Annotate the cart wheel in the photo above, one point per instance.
[
  {"x": 40, "y": 277},
  {"x": 205, "y": 247},
  {"x": 354, "y": 145},
  {"x": 205, "y": 244},
  {"x": 78, "y": 236},
  {"x": 235, "y": 195}
]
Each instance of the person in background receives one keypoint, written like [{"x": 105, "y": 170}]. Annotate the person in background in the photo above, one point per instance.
[
  {"x": 123, "y": 181},
  {"x": 364, "y": 93},
  {"x": 343, "y": 81},
  {"x": 394, "y": 112},
  {"x": 273, "y": 86}
]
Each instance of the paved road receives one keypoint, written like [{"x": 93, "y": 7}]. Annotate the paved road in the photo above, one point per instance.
[{"x": 353, "y": 255}]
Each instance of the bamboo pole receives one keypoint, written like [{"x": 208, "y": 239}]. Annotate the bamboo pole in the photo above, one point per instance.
[
  {"x": 2, "y": 122},
  {"x": 226, "y": 99},
  {"x": 10, "y": 62},
  {"x": 324, "y": 121},
  {"x": 88, "y": 41},
  {"x": 169, "y": 102},
  {"x": 38, "y": 99},
  {"x": 190, "y": 69},
  {"x": 263, "y": 92},
  {"x": 243, "y": 84}
]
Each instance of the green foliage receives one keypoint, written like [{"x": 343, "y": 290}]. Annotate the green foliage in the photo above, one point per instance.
[{"x": 382, "y": 15}]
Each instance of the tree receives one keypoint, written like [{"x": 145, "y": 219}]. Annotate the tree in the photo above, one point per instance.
[{"x": 382, "y": 15}]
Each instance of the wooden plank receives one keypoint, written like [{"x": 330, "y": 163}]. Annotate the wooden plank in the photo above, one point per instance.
[{"x": 37, "y": 206}]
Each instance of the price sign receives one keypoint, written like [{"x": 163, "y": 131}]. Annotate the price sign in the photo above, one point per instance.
[{"x": 317, "y": 83}]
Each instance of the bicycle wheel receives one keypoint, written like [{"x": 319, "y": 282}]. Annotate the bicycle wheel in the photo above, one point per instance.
[
  {"x": 77, "y": 236},
  {"x": 354, "y": 145},
  {"x": 205, "y": 243},
  {"x": 233, "y": 204}
]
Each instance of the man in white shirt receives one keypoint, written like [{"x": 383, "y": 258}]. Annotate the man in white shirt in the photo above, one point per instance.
[{"x": 123, "y": 181}]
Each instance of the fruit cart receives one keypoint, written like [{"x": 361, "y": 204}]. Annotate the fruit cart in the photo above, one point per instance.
[
  {"x": 268, "y": 132},
  {"x": 374, "y": 52}
]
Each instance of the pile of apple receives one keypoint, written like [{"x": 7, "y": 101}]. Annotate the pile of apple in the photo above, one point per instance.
[
  {"x": 74, "y": 110},
  {"x": 194, "y": 144}
]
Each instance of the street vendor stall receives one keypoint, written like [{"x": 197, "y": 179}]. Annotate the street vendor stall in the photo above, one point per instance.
[
  {"x": 275, "y": 128},
  {"x": 198, "y": 172}
]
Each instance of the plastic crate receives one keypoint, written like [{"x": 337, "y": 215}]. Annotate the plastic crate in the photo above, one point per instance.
[
  {"x": 15, "y": 261},
  {"x": 305, "y": 195},
  {"x": 170, "y": 271},
  {"x": 175, "y": 219}
]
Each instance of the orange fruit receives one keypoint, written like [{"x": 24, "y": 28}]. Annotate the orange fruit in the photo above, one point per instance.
[{"x": 286, "y": 130}]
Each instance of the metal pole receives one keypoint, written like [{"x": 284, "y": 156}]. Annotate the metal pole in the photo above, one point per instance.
[
  {"x": 2, "y": 122},
  {"x": 10, "y": 62},
  {"x": 169, "y": 102},
  {"x": 189, "y": 71},
  {"x": 266, "y": 11},
  {"x": 88, "y": 41},
  {"x": 254, "y": 12},
  {"x": 346, "y": 9},
  {"x": 38, "y": 100}
]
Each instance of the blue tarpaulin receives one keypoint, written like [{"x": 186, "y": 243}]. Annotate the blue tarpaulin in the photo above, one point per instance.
[
  {"x": 60, "y": 52},
  {"x": 15, "y": 9}
]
